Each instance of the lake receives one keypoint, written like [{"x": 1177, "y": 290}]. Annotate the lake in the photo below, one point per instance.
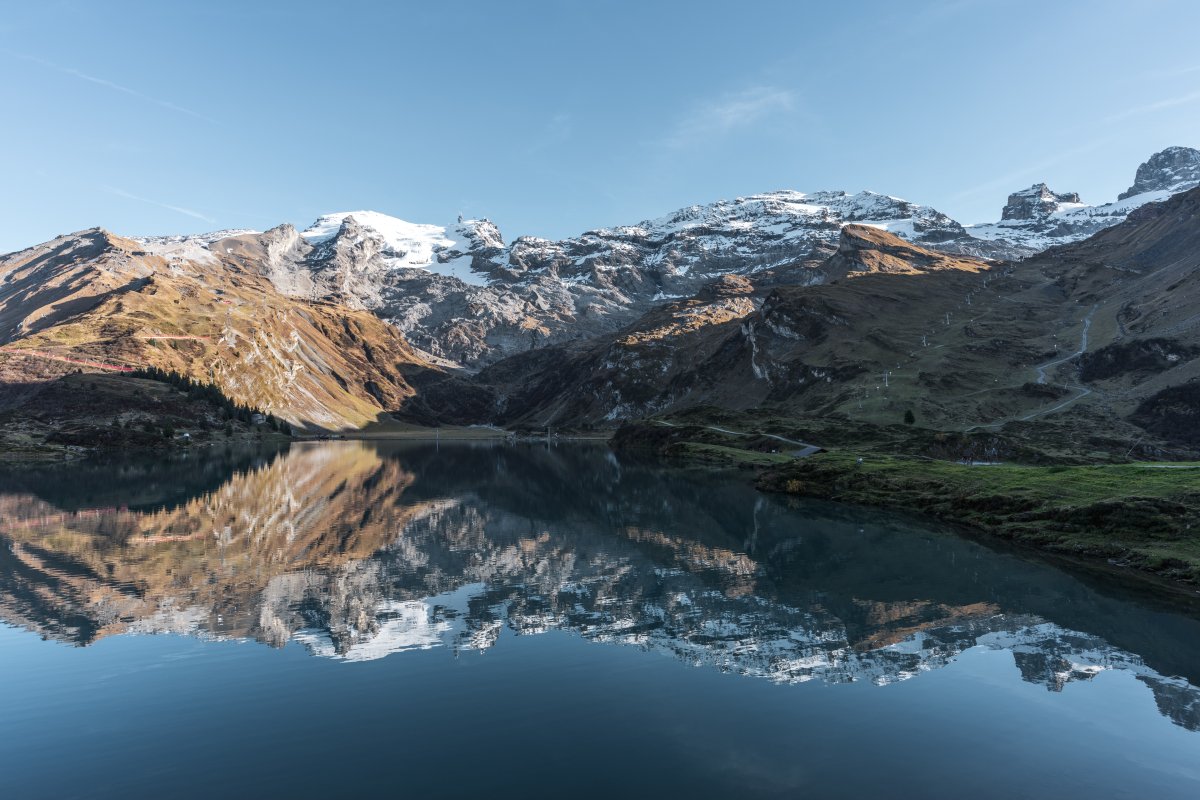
[{"x": 498, "y": 620}]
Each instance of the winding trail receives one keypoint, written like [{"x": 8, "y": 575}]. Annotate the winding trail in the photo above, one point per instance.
[
  {"x": 173, "y": 337},
  {"x": 1083, "y": 343},
  {"x": 1081, "y": 391}
]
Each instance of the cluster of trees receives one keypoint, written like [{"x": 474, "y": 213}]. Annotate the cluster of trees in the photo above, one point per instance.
[{"x": 211, "y": 393}]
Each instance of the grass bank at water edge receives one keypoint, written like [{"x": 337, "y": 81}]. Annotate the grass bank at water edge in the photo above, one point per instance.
[{"x": 1145, "y": 516}]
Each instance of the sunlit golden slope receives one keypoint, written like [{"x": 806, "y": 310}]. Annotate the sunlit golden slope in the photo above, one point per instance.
[{"x": 95, "y": 301}]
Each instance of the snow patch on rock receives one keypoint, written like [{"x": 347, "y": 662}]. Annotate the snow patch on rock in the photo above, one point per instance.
[{"x": 412, "y": 245}]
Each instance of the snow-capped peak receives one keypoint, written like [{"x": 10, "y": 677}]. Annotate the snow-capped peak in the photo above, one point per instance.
[
  {"x": 412, "y": 241},
  {"x": 1172, "y": 170},
  {"x": 434, "y": 248}
]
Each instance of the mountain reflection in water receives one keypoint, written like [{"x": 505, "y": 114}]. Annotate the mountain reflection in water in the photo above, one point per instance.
[{"x": 358, "y": 551}]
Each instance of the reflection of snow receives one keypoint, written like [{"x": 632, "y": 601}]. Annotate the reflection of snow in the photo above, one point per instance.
[
  {"x": 747, "y": 635},
  {"x": 294, "y": 555},
  {"x": 402, "y": 625},
  {"x": 189, "y": 620}
]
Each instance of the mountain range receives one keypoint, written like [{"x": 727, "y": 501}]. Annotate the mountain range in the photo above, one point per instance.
[
  {"x": 829, "y": 302},
  {"x": 959, "y": 341}
]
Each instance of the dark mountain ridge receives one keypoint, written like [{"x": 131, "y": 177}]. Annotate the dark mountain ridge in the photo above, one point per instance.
[{"x": 962, "y": 343}]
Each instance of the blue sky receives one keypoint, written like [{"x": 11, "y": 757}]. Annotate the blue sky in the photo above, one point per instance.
[{"x": 554, "y": 117}]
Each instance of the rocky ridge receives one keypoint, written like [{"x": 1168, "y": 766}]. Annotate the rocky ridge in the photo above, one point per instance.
[
  {"x": 1037, "y": 201},
  {"x": 959, "y": 342},
  {"x": 1038, "y": 218},
  {"x": 228, "y": 306},
  {"x": 461, "y": 294}
]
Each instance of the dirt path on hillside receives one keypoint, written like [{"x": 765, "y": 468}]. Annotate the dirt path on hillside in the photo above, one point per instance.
[
  {"x": 1040, "y": 371},
  {"x": 1083, "y": 343},
  {"x": 22, "y": 351}
]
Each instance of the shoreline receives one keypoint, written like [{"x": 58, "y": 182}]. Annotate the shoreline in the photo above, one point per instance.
[
  {"x": 1136, "y": 520},
  {"x": 1140, "y": 520},
  {"x": 1142, "y": 528}
]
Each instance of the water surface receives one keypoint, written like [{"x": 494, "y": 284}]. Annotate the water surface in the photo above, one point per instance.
[{"x": 495, "y": 620}]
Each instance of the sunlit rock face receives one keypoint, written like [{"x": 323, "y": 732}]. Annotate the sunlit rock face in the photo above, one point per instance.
[
  {"x": 358, "y": 553},
  {"x": 1175, "y": 169}
]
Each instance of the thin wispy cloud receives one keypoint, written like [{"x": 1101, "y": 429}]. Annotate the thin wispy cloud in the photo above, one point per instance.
[
  {"x": 558, "y": 129},
  {"x": 723, "y": 116},
  {"x": 915, "y": 20},
  {"x": 1160, "y": 105},
  {"x": 1035, "y": 171},
  {"x": 116, "y": 87},
  {"x": 177, "y": 209},
  {"x": 1008, "y": 179},
  {"x": 1173, "y": 72}
]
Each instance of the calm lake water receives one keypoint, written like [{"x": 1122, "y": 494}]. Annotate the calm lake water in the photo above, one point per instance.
[{"x": 519, "y": 621}]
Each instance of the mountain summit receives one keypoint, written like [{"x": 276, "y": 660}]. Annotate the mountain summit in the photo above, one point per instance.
[
  {"x": 1173, "y": 170},
  {"x": 1037, "y": 201}
]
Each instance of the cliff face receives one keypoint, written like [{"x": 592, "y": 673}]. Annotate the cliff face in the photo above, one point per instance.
[
  {"x": 1036, "y": 201},
  {"x": 801, "y": 348},
  {"x": 331, "y": 327},
  {"x": 463, "y": 295},
  {"x": 1173, "y": 170}
]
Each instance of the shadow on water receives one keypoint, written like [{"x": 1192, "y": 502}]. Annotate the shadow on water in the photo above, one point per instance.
[
  {"x": 142, "y": 483},
  {"x": 360, "y": 550}
]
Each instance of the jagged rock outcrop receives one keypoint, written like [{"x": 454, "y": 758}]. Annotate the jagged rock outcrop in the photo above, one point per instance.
[
  {"x": 801, "y": 346},
  {"x": 1036, "y": 201},
  {"x": 459, "y": 293},
  {"x": 1037, "y": 218},
  {"x": 863, "y": 250},
  {"x": 1172, "y": 170}
]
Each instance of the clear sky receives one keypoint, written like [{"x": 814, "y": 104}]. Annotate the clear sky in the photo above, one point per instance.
[{"x": 555, "y": 117}]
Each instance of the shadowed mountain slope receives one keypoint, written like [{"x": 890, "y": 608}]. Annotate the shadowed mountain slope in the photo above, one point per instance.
[{"x": 1108, "y": 326}]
